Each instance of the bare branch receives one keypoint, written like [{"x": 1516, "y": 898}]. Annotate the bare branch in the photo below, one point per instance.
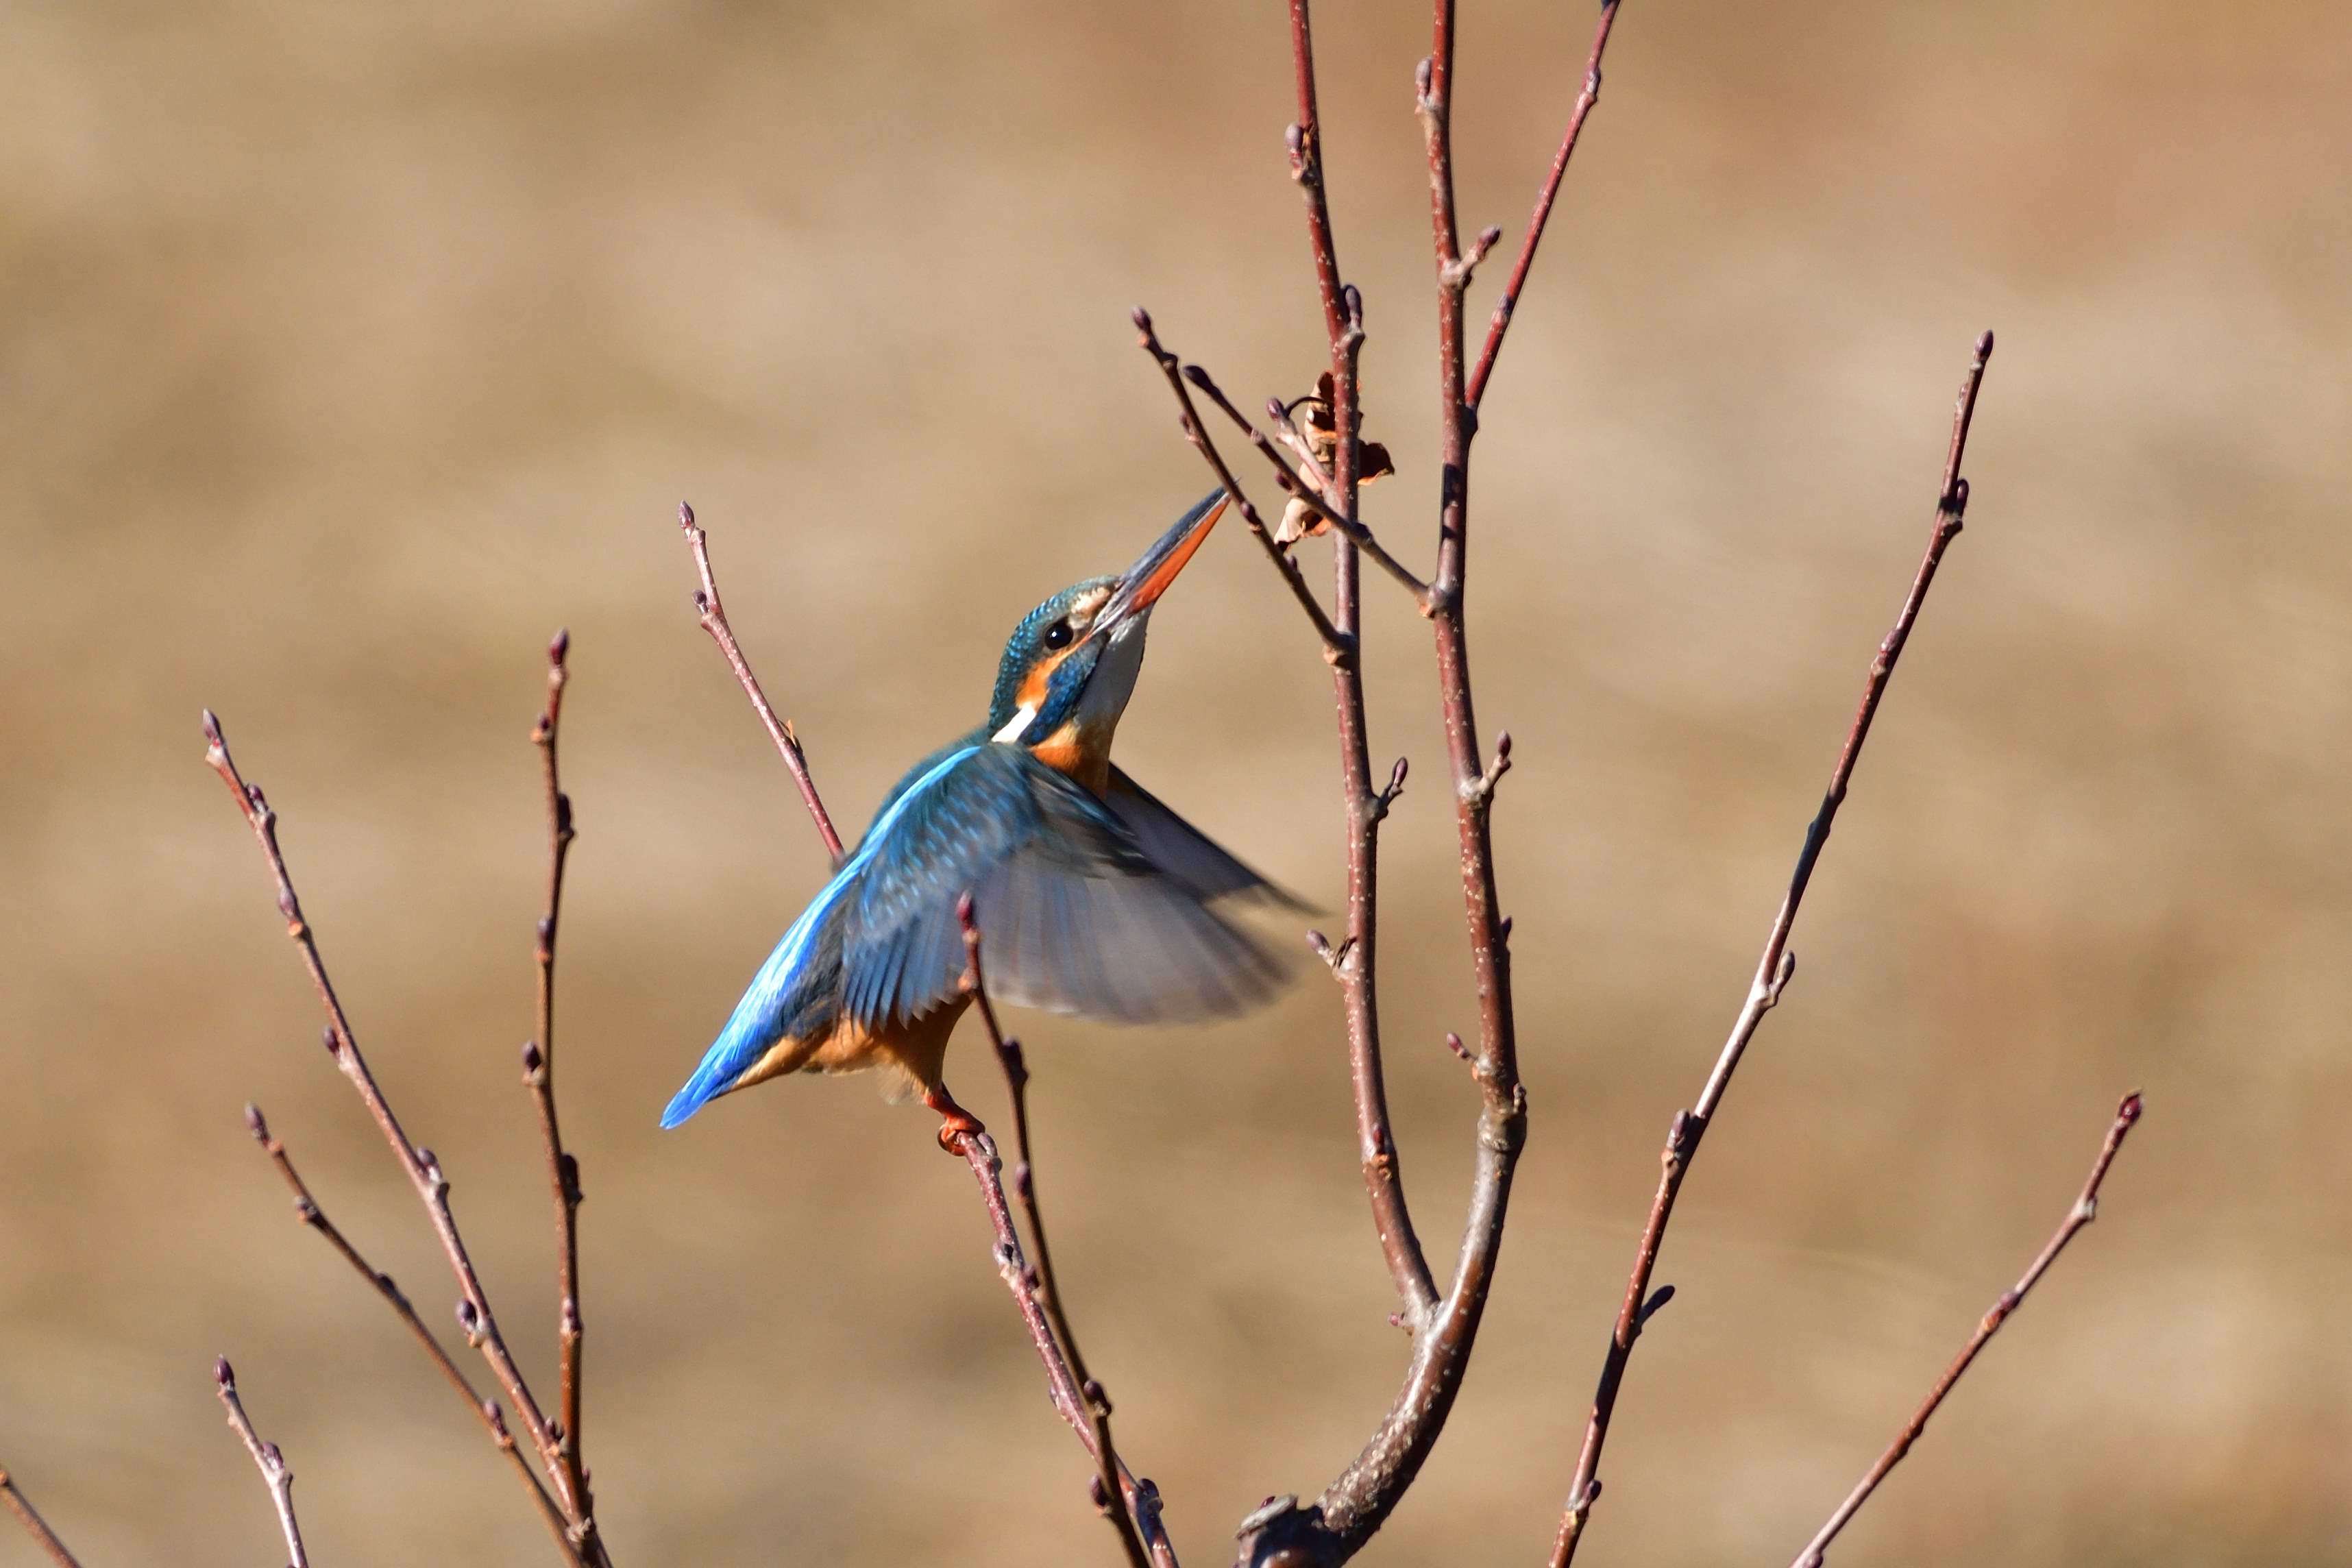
[
  {"x": 1354, "y": 1506},
  {"x": 1357, "y": 963},
  {"x": 539, "y": 1077},
  {"x": 1141, "y": 1498},
  {"x": 423, "y": 1170},
  {"x": 1336, "y": 646},
  {"x": 306, "y": 1210},
  {"x": 2085, "y": 1210},
  {"x": 1309, "y": 489},
  {"x": 1356, "y": 959},
  {"x": 1509, "y": 302},
  {"x": 265, "y": 1459},
  {"x": 35, "y": 1525},
  {"x": 713, "y": 616},
  {"x": 1773, "y": 972},
  {"x": 1048, "y": 1288}
]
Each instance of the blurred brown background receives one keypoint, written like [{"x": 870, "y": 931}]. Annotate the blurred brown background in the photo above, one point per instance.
[{"x": 350, "y": 349}]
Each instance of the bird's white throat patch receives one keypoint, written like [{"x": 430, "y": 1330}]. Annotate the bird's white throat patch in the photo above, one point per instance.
[{"x": 1018, "y": 726}]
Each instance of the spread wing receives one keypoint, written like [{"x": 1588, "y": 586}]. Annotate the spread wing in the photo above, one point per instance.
[
  {"x": 1075, "y": 914},
  {"x": 1183, "y": 852}
]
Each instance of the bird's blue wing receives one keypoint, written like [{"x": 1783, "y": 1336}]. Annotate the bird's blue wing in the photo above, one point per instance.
[
  {"x": 1183, "y": 852},
  {"x": 1074, "y": 914}
]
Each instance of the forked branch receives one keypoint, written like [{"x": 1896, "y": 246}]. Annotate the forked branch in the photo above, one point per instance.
[
  {"x": 1509, "y": 302},
  {"x": 1355, "y": 1505},
  {"x": 306, "y": 1210},
  {"x": 1336, "y": 645},
  {"x": 2085, "y": 1210},
  {"x": 1310, "y": 489},
  {"x": 1773, "y": 972},
  {"x": 419, "y": 1164}
]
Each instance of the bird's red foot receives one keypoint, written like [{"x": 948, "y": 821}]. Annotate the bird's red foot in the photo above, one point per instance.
[{"x": 956, "y": 1123}]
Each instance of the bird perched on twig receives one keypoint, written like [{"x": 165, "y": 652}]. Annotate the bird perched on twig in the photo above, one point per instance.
[{"x": 1090, "y": 896}]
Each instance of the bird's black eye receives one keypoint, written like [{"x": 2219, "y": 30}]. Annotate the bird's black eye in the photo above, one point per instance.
[{"x": 1058, "y": 635}]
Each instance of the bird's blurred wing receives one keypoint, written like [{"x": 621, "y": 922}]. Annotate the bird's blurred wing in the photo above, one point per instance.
[
  {"x": 1183, "y": 852},
  {"x": 1073, "y": 915}
]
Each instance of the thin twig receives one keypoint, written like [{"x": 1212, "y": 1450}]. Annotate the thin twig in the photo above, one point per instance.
[
  {"x": 2085, "y": 1210},
  {"x": 1141, "y": 1496},
  {"x": 275, "y": 1473},
  {"x": 713, "y": 616},
  {"x": 1773, "y": 972},
  {"x": 1509, "y": 302},
  {"x": 1336, "y": 646},
  {"x": 306, "y": 1210},
  {"x": 1364, "y": 807},
  {"x": 539, "y": 1077},
  {"x": 35, "y": 1525},
  {"x": 1049, "y": 1290},
  {"x": 422, "y": 1168},
  {"x": 1292, "y": 484}
]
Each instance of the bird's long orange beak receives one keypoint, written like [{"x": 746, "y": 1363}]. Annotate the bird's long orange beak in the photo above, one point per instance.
[{"x": 1142, "y": 583}]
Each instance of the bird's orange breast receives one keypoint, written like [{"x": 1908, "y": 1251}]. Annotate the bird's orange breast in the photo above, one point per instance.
[{"x": 1074, "y": 750}]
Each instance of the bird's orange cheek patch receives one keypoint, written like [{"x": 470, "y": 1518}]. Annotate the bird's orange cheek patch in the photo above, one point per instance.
[{"x": 1038, "y": 683}]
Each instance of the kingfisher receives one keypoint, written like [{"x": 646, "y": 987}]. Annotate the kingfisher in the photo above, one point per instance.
[{"x": 1089, "y": 895}]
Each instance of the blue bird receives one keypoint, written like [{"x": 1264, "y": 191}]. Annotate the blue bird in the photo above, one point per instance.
[{"x": 1090, "y": 896}]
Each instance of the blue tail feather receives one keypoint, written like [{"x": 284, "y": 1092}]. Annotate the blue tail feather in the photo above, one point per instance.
[
  {"x": 757, "y": 1023},
  {"x": 779, "y": 993}
]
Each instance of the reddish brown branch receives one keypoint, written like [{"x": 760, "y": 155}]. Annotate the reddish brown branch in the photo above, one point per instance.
[
  {"x": 1354, "y": 1506},
  {"x": 1048, "y": 1288},
  {"x": 713, "y": 615},
  {"x": 275, "y": 1473},
  {"x": 539, "y": 1076},
  {"x": 1304, "y": 140},
  {"x": 1311, "y": 493},
  {"x": 423, "y": 1170},
  {"x": 35, "y": 1525},
  {"x": 1069, "y": 1396},
  {"x": 2085, "y": 1210},
  {"x": 1509, "y": 302},
  {"x": 1336, "y": 646},
  {"x": 306, "y": 1210},
  {"x": 1355, "y": 963},
  {"x": 1773, "y": 972}
]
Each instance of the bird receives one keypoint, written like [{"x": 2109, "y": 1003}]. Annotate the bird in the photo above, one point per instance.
[{"x": 1089, "y": 896}]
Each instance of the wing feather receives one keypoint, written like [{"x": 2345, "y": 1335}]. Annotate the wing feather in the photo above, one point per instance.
[
  {"x": 1183, "y": 852},
  {"x": 1076, "y": 914}
]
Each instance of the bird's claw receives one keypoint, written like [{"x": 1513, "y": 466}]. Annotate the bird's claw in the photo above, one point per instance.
[
  {"x": 955, "y": 1129},
  {"x": 956, "y": 1123}
]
